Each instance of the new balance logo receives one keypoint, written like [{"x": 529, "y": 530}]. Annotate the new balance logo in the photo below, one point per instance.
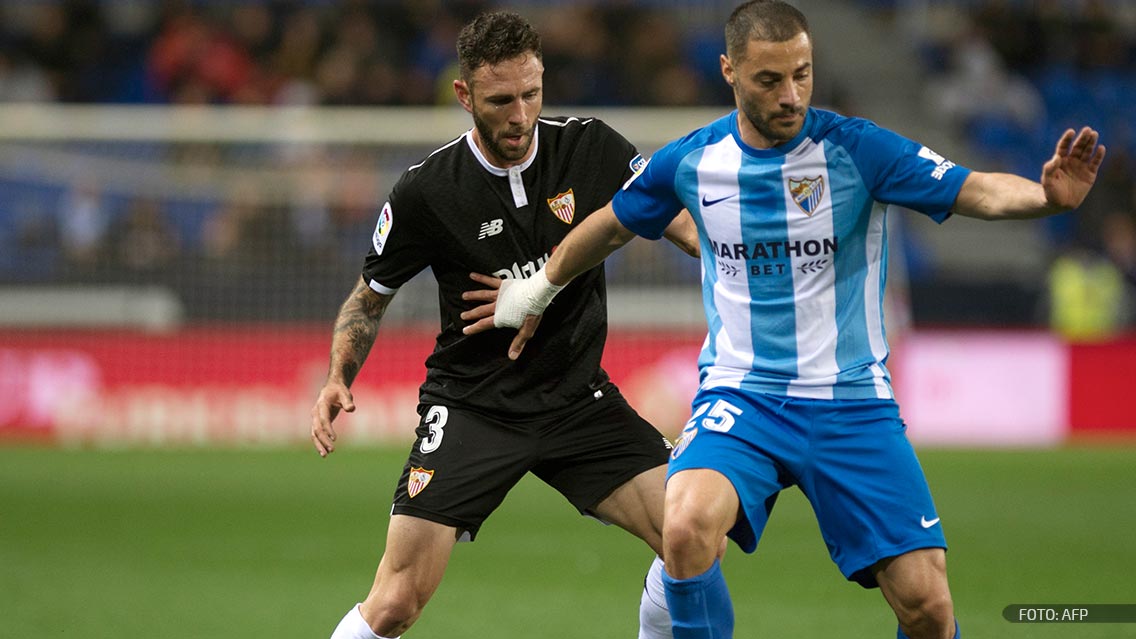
[{"x": 493, "y": 227}]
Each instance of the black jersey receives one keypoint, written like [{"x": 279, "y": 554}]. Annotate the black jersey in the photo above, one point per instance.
[{"x": 456, "y": 213}]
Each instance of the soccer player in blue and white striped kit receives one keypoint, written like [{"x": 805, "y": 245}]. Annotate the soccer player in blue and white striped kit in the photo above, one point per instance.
[{"x": 790, "y": 204}]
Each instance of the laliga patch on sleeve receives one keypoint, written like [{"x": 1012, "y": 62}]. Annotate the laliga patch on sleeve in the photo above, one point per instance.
[
  {"x": 637, "y": 163},
  {"x": 383, "y": 228}
]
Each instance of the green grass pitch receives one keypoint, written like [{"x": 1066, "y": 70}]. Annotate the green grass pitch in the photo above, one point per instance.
[{"x": 278, "y": 543}]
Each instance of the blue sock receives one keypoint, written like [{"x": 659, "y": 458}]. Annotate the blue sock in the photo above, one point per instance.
[
  {"x": 958, "y": 633},
  {"x": 700, "y": 606}
]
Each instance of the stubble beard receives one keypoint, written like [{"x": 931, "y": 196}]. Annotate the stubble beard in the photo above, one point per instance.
[
  {"x": 495, "y": 148},
  {"x": 765, "y": 127}
]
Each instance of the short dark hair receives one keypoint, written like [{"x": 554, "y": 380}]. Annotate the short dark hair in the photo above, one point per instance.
[
  {"x": 765, "y": 20},
  {"x": 494, "y": 37}
]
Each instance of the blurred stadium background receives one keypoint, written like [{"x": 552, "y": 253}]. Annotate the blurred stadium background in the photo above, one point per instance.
[{"x": 186, "y": 193}]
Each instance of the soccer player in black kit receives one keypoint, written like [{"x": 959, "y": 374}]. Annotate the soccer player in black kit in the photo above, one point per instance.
[{"x": 498, "y": 199}]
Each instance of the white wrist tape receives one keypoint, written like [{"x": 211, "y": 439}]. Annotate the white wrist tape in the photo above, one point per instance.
[{"x": 517, "y": 299}]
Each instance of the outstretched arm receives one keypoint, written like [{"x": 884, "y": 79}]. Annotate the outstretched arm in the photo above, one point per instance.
[
  {"x": 354, "y": 335},
  {"x": 520, "y": 303},
  {"x": 600, "y": 235},
  {"x": 1065, "y": 181}
]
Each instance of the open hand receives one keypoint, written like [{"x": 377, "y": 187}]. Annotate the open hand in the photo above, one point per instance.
[{"x": 1072, "y": 171}]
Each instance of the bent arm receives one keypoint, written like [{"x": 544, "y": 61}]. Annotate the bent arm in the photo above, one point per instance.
[{"x": 520, "y": 303}]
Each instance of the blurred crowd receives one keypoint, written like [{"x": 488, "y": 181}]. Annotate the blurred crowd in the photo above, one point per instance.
[
  {"x": 1009, "y": 75},
  {"x": 316, "y": 219},
  {"x": 355, "y": 52}
]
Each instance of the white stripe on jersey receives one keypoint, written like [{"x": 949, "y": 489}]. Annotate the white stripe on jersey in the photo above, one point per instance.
[
  {"x": 814, "y": 289},
  {"x": 873, "y": 302},
  {"x": 439, "y": 150},
  {"x": 732, "y": 340},
  {"x": 379, "y": 288},
  {"x": 566, "y": 121}
]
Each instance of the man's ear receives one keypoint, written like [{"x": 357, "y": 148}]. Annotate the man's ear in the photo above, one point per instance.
[
  {"x": 464, "y": 95},
  {"x": 727, "y": 69}
]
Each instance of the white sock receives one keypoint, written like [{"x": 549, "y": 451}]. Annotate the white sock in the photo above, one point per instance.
[
  {"x": 654, "y": 617},
  {"x": 354, "y": 626}
]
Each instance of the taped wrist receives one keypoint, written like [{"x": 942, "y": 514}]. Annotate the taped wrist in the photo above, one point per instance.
[{"x": 519, "y": 298}]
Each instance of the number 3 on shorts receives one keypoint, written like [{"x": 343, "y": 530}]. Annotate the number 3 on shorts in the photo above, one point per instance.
[
  {"x": 721, "y": 416},
  {"x": 436, "y": 421}
]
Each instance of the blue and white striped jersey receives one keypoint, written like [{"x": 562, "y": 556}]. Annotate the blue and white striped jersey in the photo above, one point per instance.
[{"x": 794, "y": 246}]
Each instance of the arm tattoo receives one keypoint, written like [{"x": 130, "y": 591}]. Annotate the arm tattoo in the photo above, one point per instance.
[{"x": 355, "y": 331}]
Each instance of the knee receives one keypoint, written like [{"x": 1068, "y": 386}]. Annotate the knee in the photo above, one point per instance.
[
  {"x": 391, "y": 613},
  {"x": 701, "y": 505},
  {"x": 684, "y": 531},
  {"x": 923, "y": 611},
  {"x": 915, "y": 584},
  {"x": 690, "y": 542}
]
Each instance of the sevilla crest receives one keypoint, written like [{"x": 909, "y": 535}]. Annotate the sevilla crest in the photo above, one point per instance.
[
  {"x": 564, "y": 206},
  {"x": 419, "y": 478}
]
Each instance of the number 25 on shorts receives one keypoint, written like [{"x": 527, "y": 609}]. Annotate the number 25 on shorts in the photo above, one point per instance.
[{"x": 719, "y": 417}]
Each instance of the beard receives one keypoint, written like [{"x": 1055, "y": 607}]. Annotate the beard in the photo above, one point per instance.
[
  {"x": 493, "y": 145},
  {"x": 777, "y": 134}
]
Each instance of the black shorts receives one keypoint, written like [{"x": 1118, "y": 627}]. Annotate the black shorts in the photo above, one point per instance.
[{"x": 463, "y": 463}]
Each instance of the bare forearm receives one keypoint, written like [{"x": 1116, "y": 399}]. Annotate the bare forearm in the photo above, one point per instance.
[
  {"x": 1066, "y": 179},
  {"x": 355, "y": 330},
  {"x": 683, "y": 233},
  {"x": 586, "y": 246},
  {"x": 1002, "y": 196}
]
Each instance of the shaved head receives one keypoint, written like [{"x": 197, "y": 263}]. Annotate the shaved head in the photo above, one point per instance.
[{"x": 765, "y": 20}]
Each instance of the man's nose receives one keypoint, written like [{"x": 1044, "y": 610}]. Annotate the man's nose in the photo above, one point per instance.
[
  {"x": 789, "y": 94},
  {"x": 517, "y": 113}
]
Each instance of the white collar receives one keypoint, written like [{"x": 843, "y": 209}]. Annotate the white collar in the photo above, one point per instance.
[
  {"x": 516, "y": 182},
  {"x": 496, "y": 170}
]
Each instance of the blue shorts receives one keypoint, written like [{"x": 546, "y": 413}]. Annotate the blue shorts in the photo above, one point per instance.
[{"x": 850, "y": 458}]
